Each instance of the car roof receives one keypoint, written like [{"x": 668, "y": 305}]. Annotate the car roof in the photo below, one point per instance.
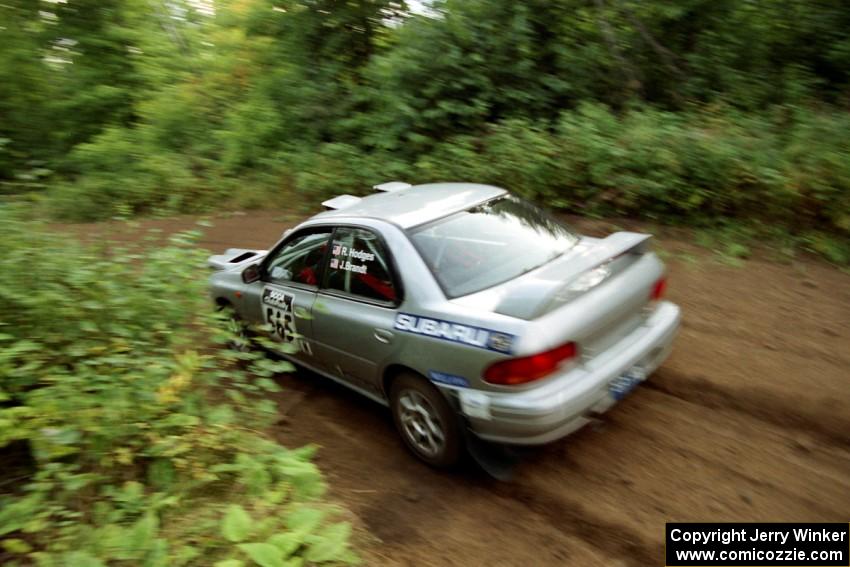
[{"x": 418, "y": 204}]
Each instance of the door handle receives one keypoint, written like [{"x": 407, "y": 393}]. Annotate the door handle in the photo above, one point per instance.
[{"x": 383, "y": 336}]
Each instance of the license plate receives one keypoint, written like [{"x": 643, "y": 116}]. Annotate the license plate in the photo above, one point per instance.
[{"x": 620, "y": 386}]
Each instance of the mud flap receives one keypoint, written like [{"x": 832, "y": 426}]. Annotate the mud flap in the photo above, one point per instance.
[{"x": 497, "y": 460}]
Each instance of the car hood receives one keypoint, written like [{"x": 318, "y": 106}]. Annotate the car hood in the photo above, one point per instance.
[{"x": 580, "y": 269}]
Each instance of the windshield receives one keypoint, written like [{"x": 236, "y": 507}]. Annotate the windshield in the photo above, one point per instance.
[{"x": 490, "y": 244}]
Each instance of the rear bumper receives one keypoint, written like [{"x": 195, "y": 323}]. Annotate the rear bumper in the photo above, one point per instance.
[{"x": 568, "y": 402}]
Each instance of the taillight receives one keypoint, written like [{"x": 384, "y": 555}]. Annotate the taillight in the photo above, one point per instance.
[
  {"x": 529, "y": 368},
  {"x": 658, "y": 289}
]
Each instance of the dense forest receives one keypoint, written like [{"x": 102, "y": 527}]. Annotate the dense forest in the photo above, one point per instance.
[{"x": 686, "y": 111}]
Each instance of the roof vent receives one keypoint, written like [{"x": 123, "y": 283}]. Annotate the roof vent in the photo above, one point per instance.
[
  {"x": 341, "y": 202},
  {"x": 392, "y": 186}
]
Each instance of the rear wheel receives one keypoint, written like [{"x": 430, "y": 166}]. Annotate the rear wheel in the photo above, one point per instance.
[{"x": 425, "y": 421}]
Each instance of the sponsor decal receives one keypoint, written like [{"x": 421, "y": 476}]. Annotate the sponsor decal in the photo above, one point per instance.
[
  {"x": 475, "y": 404},
  {"x": 279, "y": 313},
  {"x": 277, "y": 298},
  {"x": 449, "y": 379},
  {"x": 349, "y": 267},
  {"x": 346, "y": 265},
  {"x": 454, "y": 332},
  {"x": 501, "y": 341},
  {"x": 620, "y": 386},
  {"x": 361, "y": 255}
]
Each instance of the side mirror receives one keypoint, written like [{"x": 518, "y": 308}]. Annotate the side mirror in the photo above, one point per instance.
[{"x": 251, "y": 274}]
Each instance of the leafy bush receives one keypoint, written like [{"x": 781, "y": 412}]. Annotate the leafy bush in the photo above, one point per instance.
[
  {"x": 818, "y": 168},
  {"x": 122, "y": 174},
  {"x": 143, "y": 442},
  {"x": 787, "y": 169},
  {"x": 332, "y": 169},
  {"x": 699, "y": 167}
]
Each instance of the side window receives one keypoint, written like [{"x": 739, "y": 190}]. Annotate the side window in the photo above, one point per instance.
[
  {"x": 299, "y": 260},
  {"x": 360, "y": 265}
]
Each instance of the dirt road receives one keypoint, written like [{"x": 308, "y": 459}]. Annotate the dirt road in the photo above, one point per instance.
[{"x": 749, "y": 420}]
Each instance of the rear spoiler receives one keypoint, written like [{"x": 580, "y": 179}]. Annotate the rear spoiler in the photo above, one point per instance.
[
  {"x": 392, "y": 186},
  {"x": 341, "y": 202},
  {"x": 592, "y": 267},
  {"x": 560, "y": 282},
  {"x": 344, "y": 201}
]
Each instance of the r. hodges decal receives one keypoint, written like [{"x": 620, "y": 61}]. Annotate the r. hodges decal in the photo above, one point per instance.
[{"x": 455, "y": 332}]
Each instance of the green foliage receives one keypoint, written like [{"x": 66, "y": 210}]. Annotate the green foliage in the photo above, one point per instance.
[
  {"x": 341, "y": 168},
  {"x": 142, "y": 448},
  {"x": 693, "y": 167},
  {"x": 236, "y": 524},
  {"x": 686, "y": 111},
  {"x": 126, "y": 175}
]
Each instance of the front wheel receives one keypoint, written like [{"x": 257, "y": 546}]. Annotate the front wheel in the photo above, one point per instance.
[{"x": 425, "y": 421}]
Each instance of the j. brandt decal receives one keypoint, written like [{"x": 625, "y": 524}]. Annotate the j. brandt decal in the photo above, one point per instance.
[{"x": 455, "y": 332}]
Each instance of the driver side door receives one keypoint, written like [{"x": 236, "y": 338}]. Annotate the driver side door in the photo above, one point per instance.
[{"x": 290, "y": 277}]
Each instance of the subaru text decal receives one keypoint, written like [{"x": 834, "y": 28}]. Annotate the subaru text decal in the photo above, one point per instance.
[{"x": 454, "y": 332}]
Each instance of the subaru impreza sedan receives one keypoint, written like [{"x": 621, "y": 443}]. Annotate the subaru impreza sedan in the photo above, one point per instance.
[{"x": 462, "y": 307}]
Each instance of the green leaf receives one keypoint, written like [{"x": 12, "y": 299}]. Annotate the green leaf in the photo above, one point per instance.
[
  {"x": 15, "y": 545},
  {"x": 83, "y": 559},
  {"x": 229, "y": 563},
  {"x": 236, "y": 524},
  {"x": 161, "y": 473},
  {"x": 221, "y": 415},
  {"x": 185, "y": 554},
  {"x": 304, "y": 519},
  {"x": 158, "y": 554},
  {"x": 268, "y": 385},
  {"x": 263, "y": 554},
  {"x": 141, "y": 538},
  {"x": 16, "y": 514},
  {"x": 181, "y": 420},
  {"x": 131, "y": 492},
  {"x": 112, "y": 540},
  {"x": 287, "y": 542},
  {"x": 331, "y": 545}
]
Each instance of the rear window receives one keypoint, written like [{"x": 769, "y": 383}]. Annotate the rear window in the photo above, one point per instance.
[{"x": 490, "y": 244}]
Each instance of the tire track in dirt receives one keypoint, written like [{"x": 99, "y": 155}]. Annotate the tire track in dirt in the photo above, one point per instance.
[
  {"x": 774, "y": 342},
  {"x": 761, "y": 404},
  {"x": 786, "y": 465},
  {"x": 577, "y": 519},
  {"x": 662, "y": 459}
]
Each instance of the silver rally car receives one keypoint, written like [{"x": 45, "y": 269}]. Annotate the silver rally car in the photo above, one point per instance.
[{"x": 464, "y": 308}]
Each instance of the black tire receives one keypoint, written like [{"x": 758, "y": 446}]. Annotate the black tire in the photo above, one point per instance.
[{"x": 409, "y": 387}]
